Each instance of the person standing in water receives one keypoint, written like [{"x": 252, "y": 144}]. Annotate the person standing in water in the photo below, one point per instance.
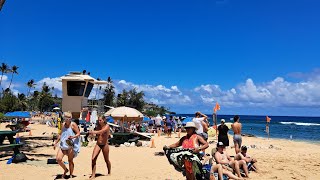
[
  {"x": 237, "y": 139},
  {"x": 69, "y": 143},
  {"x": 103, "y": 131}
]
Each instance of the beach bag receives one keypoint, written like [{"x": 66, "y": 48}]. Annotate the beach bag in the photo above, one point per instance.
[
  {"x": 52, "y": 161},
  {"x": 21, "y": 157}
]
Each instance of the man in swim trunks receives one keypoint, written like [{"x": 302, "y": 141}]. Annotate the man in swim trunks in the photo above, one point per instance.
[
  {"x": 243, "y": 155},
  {"x": 222, "y": 157},
  {"x": 103, "y": 131},
  {"x": 237, "y": 139}
]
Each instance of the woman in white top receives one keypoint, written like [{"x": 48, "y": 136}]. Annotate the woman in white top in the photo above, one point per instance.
[{"x": 69, "y": 143}]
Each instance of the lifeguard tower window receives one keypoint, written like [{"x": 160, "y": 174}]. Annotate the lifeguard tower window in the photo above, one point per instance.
[
  {"x": 88, "y": 90},
  {"x": 76, "y": 88}
]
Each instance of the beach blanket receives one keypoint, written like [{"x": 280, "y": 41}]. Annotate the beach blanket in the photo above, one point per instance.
[{"x": 186, "y": 161}]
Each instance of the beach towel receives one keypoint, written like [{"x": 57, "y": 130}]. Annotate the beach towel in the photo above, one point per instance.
[
  {"x": 66, "y": 143},
  {"x": 186, "y": 162}
]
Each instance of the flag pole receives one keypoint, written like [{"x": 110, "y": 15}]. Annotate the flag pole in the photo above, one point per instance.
[{"x": 215, "y": 123}]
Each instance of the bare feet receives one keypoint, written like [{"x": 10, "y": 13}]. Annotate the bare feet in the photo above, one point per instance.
[
  {"x": 65, "y": 173},
  {"x": 92, "y": 177}
]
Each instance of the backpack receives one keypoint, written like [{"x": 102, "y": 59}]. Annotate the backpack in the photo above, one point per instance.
[{"x": 21, "y": 157}]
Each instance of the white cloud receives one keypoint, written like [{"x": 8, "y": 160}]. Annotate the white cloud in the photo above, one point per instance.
[
  {"x": 277, "y": 93},
  {"x": 51, "y": 82},
  {"x": 6, "y": 82},
  {"x": 158, "y": 94}
]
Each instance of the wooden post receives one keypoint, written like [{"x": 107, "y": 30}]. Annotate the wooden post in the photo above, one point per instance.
[{"x": 214, "y": 116}]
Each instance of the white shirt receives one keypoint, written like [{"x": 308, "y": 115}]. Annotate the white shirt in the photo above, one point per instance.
[
  {"x": 158, "y": 121},
  {"x": 198, "y": 123}
]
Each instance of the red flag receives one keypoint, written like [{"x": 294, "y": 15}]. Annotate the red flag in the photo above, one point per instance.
[
  {"x": 268, "y": 119},
  {"x": 216, "y": 108}
]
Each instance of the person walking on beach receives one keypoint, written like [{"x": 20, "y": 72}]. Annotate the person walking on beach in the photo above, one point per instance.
[
  {"x": 169, "y": 124},
  {"x": 237, "y": 139},
  {"x": 198, "y": 119},
  {"x": 158, "y": 121},
  {"x": 103, "y": 131},
  {"x": 69, "y": 143},
  {"x": 179, "y": 125},
  {"x": 223, "y": 133}
]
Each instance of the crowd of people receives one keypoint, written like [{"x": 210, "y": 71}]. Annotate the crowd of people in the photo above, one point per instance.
[
  {"x": 195, "y": 140},
  {"x": 222, "y": 163}
]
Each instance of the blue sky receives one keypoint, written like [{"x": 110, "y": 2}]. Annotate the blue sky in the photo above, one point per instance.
[{"x": 253, "y": 57}]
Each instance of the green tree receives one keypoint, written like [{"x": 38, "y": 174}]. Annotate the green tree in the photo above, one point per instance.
[
  {"x": 9, "y": 101},
  {"x": 33, "y": 101},
  {"x": 123, "y": 98},
  {"x": 45, "y": 100},
  {"x": 4, "y": 69},
  {"x": 136, "y": 99},
  {"x": 22, "y": 102},
  {"x": 30, "y": 85},
  {"x": 109, "y": 93},
  {"x": 13, "y": 70}
]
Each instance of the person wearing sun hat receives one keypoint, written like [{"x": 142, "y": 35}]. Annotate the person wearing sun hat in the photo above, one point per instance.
[{"x": 191, "y": 140}]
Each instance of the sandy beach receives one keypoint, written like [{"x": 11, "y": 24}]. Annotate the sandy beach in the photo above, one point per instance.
[{"x": 278, "y": 159}]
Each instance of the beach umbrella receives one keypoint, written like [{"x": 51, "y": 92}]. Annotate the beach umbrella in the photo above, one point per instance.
[
  {"x": 125, "y": 114},
  {"x": 18, "y": 114},
  {"x": 187, "y": 119}
]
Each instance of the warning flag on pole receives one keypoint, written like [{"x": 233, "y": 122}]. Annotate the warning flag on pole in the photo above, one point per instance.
[
  {"x": 268, "y": 119},
  {"x": 216, "y": 108}
]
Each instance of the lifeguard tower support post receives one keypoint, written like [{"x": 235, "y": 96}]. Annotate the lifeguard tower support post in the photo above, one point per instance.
[{"x": 76, "y": 88}]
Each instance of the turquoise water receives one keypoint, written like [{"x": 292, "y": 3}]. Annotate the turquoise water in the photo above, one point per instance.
[{"x": 284, "y": 127}]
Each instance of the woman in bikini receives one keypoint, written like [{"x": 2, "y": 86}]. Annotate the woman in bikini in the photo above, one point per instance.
[{"x": 103, "y": 131}]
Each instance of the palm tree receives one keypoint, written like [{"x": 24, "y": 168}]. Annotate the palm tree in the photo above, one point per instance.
[
  {"x": 4, "y": 69},
  {"x": 30, "y": 85},
  {"x": 22, "y": 102},
  {"x": 13, "y": 71}
]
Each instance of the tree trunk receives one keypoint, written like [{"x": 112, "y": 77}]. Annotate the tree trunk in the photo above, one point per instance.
[
  {"x": 11, "y": 80},
  {"x": 1, "y": 78}
]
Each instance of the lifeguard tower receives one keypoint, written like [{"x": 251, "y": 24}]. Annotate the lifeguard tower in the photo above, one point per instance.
[{"x": 76, "y": 88}]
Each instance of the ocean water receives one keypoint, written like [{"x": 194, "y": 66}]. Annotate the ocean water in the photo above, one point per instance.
[{"x": 283, "y": 127}]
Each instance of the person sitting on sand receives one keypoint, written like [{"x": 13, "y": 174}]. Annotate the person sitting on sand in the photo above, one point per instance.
[
  {"x": 251, "y": 162},
  {"x": 224, "y": 159},
  {"x": 221, "y": 171},
  {"x": 103, "y": 131},
  {"x": 69, "y": 143}
]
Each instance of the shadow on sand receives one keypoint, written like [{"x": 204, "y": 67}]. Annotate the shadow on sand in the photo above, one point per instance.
[{"x": 59, "y": 176}]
